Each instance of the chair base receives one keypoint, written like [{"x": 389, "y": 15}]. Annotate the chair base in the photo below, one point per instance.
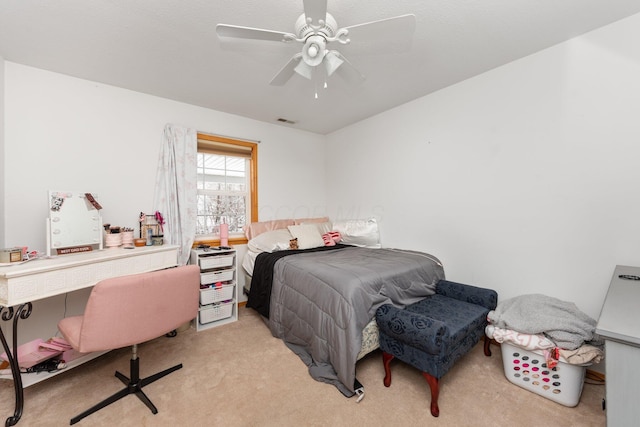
[
  {"x": 133, "y": 386},
  {"x": 433, "y": 382}
]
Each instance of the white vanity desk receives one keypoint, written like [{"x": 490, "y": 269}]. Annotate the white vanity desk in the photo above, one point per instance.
[
  {"x": 619, "y": 325},
  {"x": 34, "y": 280},
  {"x": 43, "y": 278}
]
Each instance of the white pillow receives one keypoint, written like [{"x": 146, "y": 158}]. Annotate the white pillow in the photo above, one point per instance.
[
  {"x": 270, "y": 241},
  {"x": 308, "y": 235},
  {"x": 359, "y": 232},
  {"x": 323, "y": 227}
]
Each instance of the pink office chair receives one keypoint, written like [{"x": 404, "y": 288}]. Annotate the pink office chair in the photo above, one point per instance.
[{"x": 128, "y": 310}]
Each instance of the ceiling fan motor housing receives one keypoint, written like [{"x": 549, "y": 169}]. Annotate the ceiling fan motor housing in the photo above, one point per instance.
[
  {"x": 327, "y": 30},
  {"x": 315, "y": 45}
]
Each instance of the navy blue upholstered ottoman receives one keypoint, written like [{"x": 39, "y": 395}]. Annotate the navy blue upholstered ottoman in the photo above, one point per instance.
[{"x": 432, "y": 334}]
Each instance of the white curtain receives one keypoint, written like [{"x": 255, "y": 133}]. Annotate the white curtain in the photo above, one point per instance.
[{"x": 175, "y": 195}]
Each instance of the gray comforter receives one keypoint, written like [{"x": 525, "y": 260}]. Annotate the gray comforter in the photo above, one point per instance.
[{"x": 321, "y": 301}]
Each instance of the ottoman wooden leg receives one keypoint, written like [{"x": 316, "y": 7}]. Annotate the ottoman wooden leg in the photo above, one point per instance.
[
  {"x": 435, "y": 390},
  {"x": 487, "y": 349},
  {"x": 386, "y": 360}
]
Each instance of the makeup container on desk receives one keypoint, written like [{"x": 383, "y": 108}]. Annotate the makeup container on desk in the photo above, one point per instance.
[
  {"x": 127, "y": 238},
  {"x": 113, "y": 240}
]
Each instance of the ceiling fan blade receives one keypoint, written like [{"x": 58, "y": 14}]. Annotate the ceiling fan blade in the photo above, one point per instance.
[
  {"x": 399, "y": 28},
  {"x": 316, "y": 11},
  {"x": 347, "y": 71},
  {"x": 287, "y": 71},
  {"x": 239, "y": 32}
]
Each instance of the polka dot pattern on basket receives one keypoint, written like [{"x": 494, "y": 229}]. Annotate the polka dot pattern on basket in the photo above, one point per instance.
[{"x": 534, "y": 371}]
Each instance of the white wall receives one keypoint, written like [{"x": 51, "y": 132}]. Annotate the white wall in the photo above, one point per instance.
[
  {"x": 64, "y": 133},
  {"x": 524, "y": 179}
]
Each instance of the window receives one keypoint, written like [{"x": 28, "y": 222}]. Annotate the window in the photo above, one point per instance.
[{"x": 227, "y": 187}]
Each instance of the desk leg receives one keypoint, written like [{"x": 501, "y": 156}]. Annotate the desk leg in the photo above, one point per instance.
[{"x": 8, "y": 313}]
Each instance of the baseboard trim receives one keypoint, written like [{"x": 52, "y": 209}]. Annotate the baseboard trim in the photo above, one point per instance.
[{"x": 595, "y": 376}]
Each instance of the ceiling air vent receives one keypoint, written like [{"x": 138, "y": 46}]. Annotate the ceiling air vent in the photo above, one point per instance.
[{"x": 291, "y": 122}]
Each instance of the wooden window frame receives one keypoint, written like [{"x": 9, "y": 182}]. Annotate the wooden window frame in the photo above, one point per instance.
[{"x": 233, "y": 147}]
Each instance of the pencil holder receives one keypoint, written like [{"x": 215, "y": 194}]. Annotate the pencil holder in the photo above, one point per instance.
[{"x": 113, "y": 240}]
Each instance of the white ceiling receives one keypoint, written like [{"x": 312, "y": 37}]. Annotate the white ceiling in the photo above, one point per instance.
[{"x": 170, "y": 49}]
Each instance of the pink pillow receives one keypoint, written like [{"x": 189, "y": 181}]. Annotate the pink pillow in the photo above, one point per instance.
[
  {"x": 256, "y": 228},
  {"x": 331, "y": 238},
  {"x": 301, "y": 221}
]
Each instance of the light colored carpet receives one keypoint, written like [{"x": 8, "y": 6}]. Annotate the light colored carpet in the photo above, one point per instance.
[{"x": 239, "y": 375}]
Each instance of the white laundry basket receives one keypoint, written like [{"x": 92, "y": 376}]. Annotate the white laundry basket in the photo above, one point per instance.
[{"x": 528, "y": 369}]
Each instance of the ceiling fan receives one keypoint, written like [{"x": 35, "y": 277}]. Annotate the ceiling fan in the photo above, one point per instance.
[{"x": 317, "y": 30}]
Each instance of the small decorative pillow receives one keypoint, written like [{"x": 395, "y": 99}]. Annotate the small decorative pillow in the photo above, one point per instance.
[
  {"x": 308, "y": 236},
  {"x": 323, "y": 227},
  {"x": 331, "y": 238},
  {"x": 270, "y": 241}
]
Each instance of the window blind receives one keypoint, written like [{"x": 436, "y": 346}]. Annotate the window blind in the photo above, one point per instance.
[{"x": 212, "y": 144}]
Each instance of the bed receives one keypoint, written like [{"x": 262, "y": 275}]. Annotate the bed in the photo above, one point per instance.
[{"x": 321, "y": 300}]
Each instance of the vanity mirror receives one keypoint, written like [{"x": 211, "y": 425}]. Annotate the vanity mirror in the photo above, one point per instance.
[{"x": 74, "y": 223}]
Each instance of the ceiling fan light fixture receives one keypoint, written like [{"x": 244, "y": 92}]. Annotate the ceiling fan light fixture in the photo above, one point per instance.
[
  {"x": 304, "y": 69},
  {"x": 315, "y": 48},
  {"x": 332, "y": 61}
]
